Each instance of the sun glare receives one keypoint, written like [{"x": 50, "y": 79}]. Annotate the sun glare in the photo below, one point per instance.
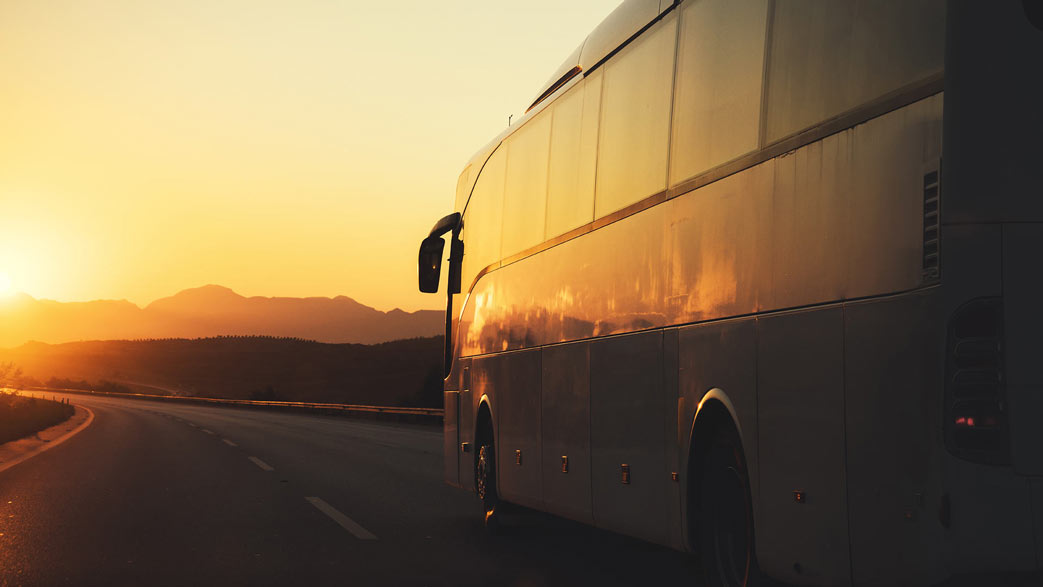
[{"x": 6, "y": 287}]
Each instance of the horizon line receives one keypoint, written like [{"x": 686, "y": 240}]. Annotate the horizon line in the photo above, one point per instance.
[{"x": 142, "y": 306}]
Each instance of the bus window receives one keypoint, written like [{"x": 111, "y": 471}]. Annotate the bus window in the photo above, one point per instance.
[
  {"x": 482, "y": 220},
  {"x": 463, "y": 188},
  {"x": 635, "y": 120},
  {"x": 573, "y": 156},
  {"x": 718, "y": 92},
  {"x": 525, "y": 197},
  {"x": 829, "y": 57}
]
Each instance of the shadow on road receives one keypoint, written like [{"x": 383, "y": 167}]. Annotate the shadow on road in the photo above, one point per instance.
[{"x": 536, "y": 549}]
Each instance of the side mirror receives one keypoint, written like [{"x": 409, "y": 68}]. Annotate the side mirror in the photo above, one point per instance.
[{"x": 429, "y": 263}]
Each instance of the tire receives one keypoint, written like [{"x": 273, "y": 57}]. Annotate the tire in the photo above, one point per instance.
[
  {"x": 485, "y": 482},
  {"x": 726, "y": 538}
]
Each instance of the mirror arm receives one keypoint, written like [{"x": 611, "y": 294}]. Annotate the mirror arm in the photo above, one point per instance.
[
  {"x": 446, "y": 224},
  {"x": 456, "y": 257}
]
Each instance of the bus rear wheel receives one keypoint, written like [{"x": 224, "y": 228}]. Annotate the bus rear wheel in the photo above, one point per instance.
[{"x": 726, "y": 513}]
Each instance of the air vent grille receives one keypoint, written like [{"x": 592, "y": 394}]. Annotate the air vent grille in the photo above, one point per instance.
[{"x": 931, "y": 265}]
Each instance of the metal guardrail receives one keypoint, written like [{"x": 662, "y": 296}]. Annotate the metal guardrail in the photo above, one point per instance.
[{"x": 417, "y": 413}]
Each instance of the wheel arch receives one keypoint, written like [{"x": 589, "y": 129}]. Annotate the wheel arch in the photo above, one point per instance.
[
  {"x": 484, "y": 413},
  {"x": 714, "y": 410},
  {"x": 715, "y": 399}
]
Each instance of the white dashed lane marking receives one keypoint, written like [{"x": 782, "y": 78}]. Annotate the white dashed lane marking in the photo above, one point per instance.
[
  {"x": 263, "y": 465},
  {"x": 228, "y": 442},
  {"x": 344, "y": 521},
  {"x": 207, "y": 431}
]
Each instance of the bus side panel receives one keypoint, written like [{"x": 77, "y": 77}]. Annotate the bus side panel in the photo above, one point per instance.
[
  {"x": 1023, "y": 323},
  {"x": 1022, "y": 297},
  {"x": 626, "y": 428},
  {"x": 888, "y": 159},
  {"x": 465, "y": 431},
  {"x": 450, "y": 437},
  {"x": 720, "y": 355},
  {"x": 993, "y": 120},
  {"x": 516, "y": 380},
  {"x": 800, "y": 403},
  {"x": 566, "y": 430},
  {"x": 811, "y": 243},
  {"x": 893, "y": 372},
  {"x": 848, "y": 210},
  {"x": 675, "y": 434},
  {"x": 719, "y": 242},
  {"x": 1037, "y": 498}
]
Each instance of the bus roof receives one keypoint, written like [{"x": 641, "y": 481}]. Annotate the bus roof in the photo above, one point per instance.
[{"x": 622, "y": 25}]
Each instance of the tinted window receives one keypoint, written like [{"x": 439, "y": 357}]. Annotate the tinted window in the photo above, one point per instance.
[
  {"x": 463, "y": 185},
  {"x": 829, "y": 57},
  {"x": 525, "y": 196},
  {"x": 573, "y": 156},
  {"x": 483, "y": 218},
  {"x": 635, "y": 119},
  {"x": 718, "y": 93}
]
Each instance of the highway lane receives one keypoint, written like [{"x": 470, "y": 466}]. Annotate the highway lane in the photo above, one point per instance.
[{"x": 160, "y": 493}]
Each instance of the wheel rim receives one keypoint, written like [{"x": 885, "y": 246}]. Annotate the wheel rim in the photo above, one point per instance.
[
  {"x": 485, "y": 482},
  {"x": 483, "y": 471}
]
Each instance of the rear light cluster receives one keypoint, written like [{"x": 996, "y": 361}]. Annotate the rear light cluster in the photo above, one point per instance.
[{"x": 975, "y": 394}]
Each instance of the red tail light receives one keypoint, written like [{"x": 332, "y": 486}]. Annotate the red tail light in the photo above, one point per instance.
[{"x": 975, "y": 394}]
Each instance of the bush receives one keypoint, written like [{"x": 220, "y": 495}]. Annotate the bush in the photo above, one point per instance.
[
  {"x": 21, "y": 416},
  {"x": 268, "y": 394},
  {"x": 430, "y": 395}
]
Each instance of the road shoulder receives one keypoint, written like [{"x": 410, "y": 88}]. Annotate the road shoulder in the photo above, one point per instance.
[{"x": 17, "y": 451}]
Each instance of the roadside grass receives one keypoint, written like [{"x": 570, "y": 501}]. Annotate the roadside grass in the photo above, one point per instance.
[{"x": 21, "y": 416}]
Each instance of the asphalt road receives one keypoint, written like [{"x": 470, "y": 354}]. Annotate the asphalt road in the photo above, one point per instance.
[{"x": 160, "y": 494}]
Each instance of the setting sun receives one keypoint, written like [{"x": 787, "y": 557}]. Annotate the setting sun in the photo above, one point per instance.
[{"x": 88, "y": 85}]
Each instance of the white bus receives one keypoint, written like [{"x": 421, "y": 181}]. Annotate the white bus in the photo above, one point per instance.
[{"x": 761, "y": 280}]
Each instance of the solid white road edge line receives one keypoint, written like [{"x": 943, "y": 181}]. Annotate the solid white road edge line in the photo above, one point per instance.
[
  {"x": 53, "y": 443},
  {"x": 228, "y": 442},
  {"x": 263, "y": 465},
  {"x": 344, "y": 521}
]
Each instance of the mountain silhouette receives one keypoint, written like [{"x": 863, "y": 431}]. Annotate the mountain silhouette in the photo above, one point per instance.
[{"x": 207, "y": 311}]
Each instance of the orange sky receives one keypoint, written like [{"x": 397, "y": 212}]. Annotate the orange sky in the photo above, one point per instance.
[{"x": 278, "y": 148}]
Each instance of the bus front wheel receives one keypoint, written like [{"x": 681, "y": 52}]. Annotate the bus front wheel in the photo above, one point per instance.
[
  {"x": 725, "y": 513},
  {"x": 485, "y": 481}
]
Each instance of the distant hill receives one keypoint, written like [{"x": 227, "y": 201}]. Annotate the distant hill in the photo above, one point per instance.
[
  {"x": 398, "y": 373},
  {"x": 209, "y": 311}
]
